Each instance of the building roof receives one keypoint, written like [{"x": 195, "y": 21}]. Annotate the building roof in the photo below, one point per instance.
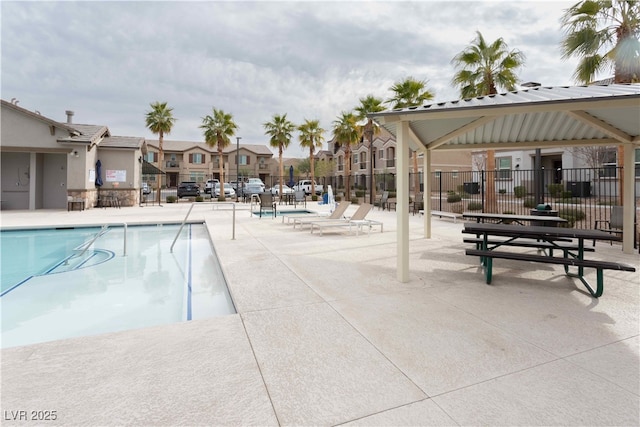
[
  {"x": 182, "y": 146},
  {"x": 532, "y": 118},
  {"x": 129, "y": 142},
  {"x": 88, "y": 134}
]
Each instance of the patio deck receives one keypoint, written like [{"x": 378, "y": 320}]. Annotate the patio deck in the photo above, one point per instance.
[{"x": 326, "y": 335}]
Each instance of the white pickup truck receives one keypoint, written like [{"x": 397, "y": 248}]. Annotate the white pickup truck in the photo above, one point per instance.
[{"x": 305, "y": 185}]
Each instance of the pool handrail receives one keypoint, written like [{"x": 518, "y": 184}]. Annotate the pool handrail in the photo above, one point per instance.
[
  {"x": 89, "y": 243},
  {"x": 184, "y": 221}
]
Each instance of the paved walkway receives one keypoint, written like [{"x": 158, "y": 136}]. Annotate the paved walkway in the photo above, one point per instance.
[{"x": 326, "y": 335}]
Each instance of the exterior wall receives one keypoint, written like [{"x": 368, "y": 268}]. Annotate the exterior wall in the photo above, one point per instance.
[{"x": 16, "y": 180}]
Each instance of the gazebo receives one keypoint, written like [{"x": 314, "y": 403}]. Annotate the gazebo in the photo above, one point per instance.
[{"x": 538, "y": 117}]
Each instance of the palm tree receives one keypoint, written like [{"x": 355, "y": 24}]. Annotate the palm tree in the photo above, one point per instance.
[
  {"x": 311, "y": 136},
  {"x": 603, "y": 33},
  {"x": 279, "y": 130},
  {"x": 484, "y": 68},
  {"x": 347, "y": 133},
  {"x": 160, "y": 121},
  {"x": 410, "y": 93},
  {"x": 218, "y": 129},
  {"x": 370, "y": 104}
]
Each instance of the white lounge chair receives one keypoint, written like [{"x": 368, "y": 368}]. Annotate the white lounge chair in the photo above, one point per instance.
[
  {"x": 338, "y": 213},
  {"x": 357, "y": 220}
]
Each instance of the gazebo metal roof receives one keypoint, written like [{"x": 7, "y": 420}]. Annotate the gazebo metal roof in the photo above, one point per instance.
[{"x": 538, "y": 117}]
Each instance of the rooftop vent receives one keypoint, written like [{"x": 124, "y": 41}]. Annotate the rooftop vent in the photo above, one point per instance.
[{"x": 69, "y": 116}]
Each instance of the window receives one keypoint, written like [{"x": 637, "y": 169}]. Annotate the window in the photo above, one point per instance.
[
  {"x": 151, "y": 156},
  {"x": 503, "y": 166},
  {"x": 196, "y": 176},
  {"x": 454, "y": 174},
  {"x": 196, "y": 158},
  {"x": 381, "y": 154},
  {"x": 244, "y": 160},
  {"x": 363, "y": 157},
  {"x": 609, "y": 163},
  {"x": 437, "y": 174}
]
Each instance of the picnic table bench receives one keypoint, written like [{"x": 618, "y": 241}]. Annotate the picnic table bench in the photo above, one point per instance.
[
  {"x": 513, "y": 218},
  {"x": 546, "y": 239}
]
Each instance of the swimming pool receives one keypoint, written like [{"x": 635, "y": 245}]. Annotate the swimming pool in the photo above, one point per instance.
[{"x": 49, "y": 292}]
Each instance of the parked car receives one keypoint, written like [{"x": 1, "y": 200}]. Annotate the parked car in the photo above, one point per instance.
[
  {"x": 256, "y": 181},
  {"x": 210, "y": 184},
  {"x": 275, "y": 190},
  {"x": 250, "y": 189},
  {"x": 188, "y": 188},
  {"x": 145, "y": 188},
  {"x": 228, "y": 190}
]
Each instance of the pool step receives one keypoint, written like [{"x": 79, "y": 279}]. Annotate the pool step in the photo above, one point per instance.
[{"x": 75, "y": 261}]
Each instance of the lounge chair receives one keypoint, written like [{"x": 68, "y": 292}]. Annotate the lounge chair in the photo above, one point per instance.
[
  {"x": 338, "y": 213},
  {"x": 267, "y": 203},
  {"x": 357, "y": 220}
]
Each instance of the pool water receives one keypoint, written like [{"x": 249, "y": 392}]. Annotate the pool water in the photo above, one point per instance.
[{"x": 51, "y": 289}]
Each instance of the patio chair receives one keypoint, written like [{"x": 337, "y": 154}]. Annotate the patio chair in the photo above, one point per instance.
[
  {"x": 418, "y": 203},
  {"x": 383, "y": 202},
  {"x": 300, "y": 197},
  {"x": 614, "y": 224},
  {"x": 338, "y": 213},
  {"x": 267, "y": 203}
]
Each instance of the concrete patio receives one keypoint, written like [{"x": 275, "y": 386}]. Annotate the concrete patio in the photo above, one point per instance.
[{"x": 325, "y": 335}]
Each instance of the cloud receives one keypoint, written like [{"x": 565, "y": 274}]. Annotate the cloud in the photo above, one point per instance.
[{"x": 108, "y": 61}]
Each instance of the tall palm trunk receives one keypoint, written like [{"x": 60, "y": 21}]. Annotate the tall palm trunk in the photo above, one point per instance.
[
  {"x": 281, "y": 168},
  {"x": 312, "y": 167},
  {"x": 221, "y": 170},
  {"x": 160, "y": 163},
  {"x": 348, "y": 173}
]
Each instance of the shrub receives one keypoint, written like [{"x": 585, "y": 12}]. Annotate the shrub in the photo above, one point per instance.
[
  {"x": 567, "y": 194},
  {"x": 502, "y": 191},
  {"x": 199, "y": 199},
  {"x": 520, "y": 191},
  {"x": 474, "y": 206},
  {"x": 577, "y": 214},
  {"x": 359, "y": 193},
  {"x": 338, "y": 198},
  {"x": 172, "y": 199},
  {"x": 556, "y": 190},
  {"x": 355, "y": 200},
  {"x": 453, "y": 198},
  {"x": 457, "y": 208},
  {"x": 221, "y": 197},
  {"x": 529, "y": 202},
  {"x": 314, "y": 197}
]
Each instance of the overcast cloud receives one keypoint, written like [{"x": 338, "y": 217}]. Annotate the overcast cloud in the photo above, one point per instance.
[{"x": 107, "y": 61}]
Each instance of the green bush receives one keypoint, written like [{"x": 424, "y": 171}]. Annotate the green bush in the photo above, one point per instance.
[
  {"x": 520, "y": 191},
  {"x": 567, "y": 194},
  {"x": 453, "y": 198},
  {"x": 359, "y": 193},
  {"x": 577, "y": 214},
  {"x": 555, "y": 190},
  {"x": 338, "y": 198},
  {"x": 172, "y": 199},
  {"x": 355, "y": 200},
  {"x": 314, "y": 197},
  {"x": 199, "y": 199},
  {"x": 502, "y": 191},
  {"x": 529, "y": 202},
  {"x": 474, "y": 206}
]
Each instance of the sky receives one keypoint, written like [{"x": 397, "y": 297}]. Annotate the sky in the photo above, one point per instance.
[{"x": 108, "y": 61}]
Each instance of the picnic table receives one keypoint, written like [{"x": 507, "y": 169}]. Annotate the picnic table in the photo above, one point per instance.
[
  {"x": 511, "y": 218},
  {"x": 491, "y": 239}
]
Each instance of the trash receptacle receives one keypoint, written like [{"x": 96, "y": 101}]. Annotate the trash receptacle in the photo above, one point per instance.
[
  {"x": 543, "y": 210},
  {"x": 471, "y": 187},
  {"x": 325, "y": 198}
]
